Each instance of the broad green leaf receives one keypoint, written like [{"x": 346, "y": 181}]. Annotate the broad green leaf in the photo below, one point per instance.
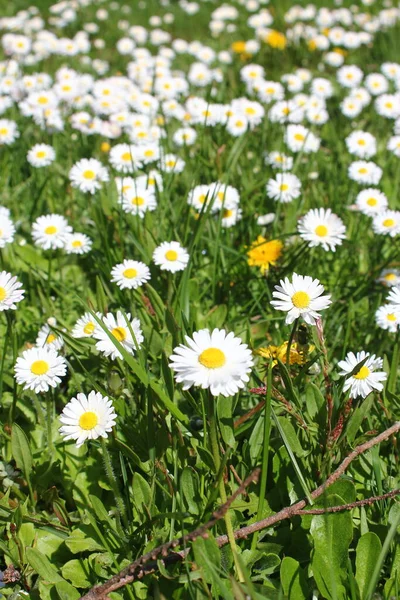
[
  {"x": 367, "y": 554},
  {"x": 225, "y": 419},
  {"x": 21, "y": 450},
  {"x": 66, "y": 591},
  {"x": 293, "y": 580},
  {"x": 189, "y": 489},
  {"x": 43, "y": 567},
  {"x": 75, "y": 572},
  {"x": 205, "y": 552},
  {"x": 141, "y": 494},
  {"x": 79, "y": 541}
]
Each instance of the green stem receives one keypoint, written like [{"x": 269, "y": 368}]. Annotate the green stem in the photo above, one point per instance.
[
  {"x": 267, "y": 433},
  {"x": 391, "y": 385},
  {"x": 292, "y": 334},
  {"x": 3, "y": 358},
  {"x": 113, "y": 482},
  {"x": 49, "y": 425},
  {"x": 217, "y": 462}
]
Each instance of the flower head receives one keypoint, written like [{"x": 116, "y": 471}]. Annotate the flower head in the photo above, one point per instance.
[
  {"x": 87, "y": 418},
  {"x": 301, "y": 297},
  {"x": 362, "y": 381},
  {"x": 263, "y": 253}
]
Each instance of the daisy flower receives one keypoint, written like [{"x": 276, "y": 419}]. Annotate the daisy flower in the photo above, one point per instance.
[
  {"x": 394, "y": 145},
  {"x": 300, "y": 139},
  {"x": 125, "y": 158},
  {"x": 390, "y": 277},
  {"x": 367, "y": 378},
  {"x": 388, "y": 318},
  {"x": 7, "y": 229},
  {"x": 361, "y": 144},
  {"x": 130, "y": 274},
  {"x": 371, "y": 202},
  {"x": 170, "y": 163},
  {"x": 8, "y": 132},
  {"x": 85, "y": 326},
  {"x": 284, "y": 188},
  {"x": 300, "y": 298},
  {"x": 119, "y": 327},
  {"x": 46, "y": 337},
  {"x": 170, "y": 256},
  {"x": 263, "y": 254},
  {"x": 230, "y": 216},
  {"x": 139, "y": 200},
  {"x": 321, "y": 227},
  {"x": 77, "y": 243},
  {"x": 216, "y": 361},
  {"x": 366, "y": 173},
  {"x": 49, "y": 231},
  {"x": 88, "y": 174},
  {"x": 87, "y": 418},
  {"x": 40, "y": 368},
  {"x": 387, "y": 223},
  {"x": 280, "y": 161},
  {"x": 10, "y": 292},
  {"x": 394, "y": 298},
  {"x": 41, "y": 155}
]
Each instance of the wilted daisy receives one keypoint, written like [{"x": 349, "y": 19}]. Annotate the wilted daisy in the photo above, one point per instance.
[
  {"x": 49, "y": 231},
  {"x": 321, "y": 227},
  {"x": 40, "y": 368},
  {"x": 390, "y": 277},
  {"x": 87, "y": 418},
  {"x": 119, "y": 327},
  {"x": 263, "y": 254},
  {"x": 170, "y": 256},
  {"x": 387, "y": 223},
  {"x": 46, "y": 337},
  {"x": 302, "y": 297},
  {"x": 371, "y": 201},
  {"x": 77, "y": 243},
  {"x": 284, "y": 188},
  {"x": 130, "y": 274},
  {"x": 364, "y": 380},
  {"x": 10, "y": 291},
  {"x": 41, "y": 155},
  {"x": 387, "y": 317},
  {"x": 88, "y": 174},
  {"x": 85, "y": 326},
  {"x": 366, "y": 173},
  {"x": 216, "y": 361}
]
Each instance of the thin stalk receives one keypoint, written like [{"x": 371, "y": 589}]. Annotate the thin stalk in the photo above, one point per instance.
[
  {"x": 113, "y": 482},
  {"x": 217, "y": 462},
  {"x": 49, "y": 426},
  {"x": 3, "y": 358},
  {"x": 291, "y": 338}
]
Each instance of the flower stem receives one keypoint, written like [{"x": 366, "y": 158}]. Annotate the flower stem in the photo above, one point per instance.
[
  {"x": 113, "y": 482},
  {"x": 217, "y": 462},
  {"x": 290, "y": 342}
]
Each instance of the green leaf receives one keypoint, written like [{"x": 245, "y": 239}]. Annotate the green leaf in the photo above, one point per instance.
[
  {"x": 66, "y": 591},
  {"x": 74, "y": 571},
  {"x": 356, "y": 419},
  {"x": 79, "y": 541},
  {"x": 205, "y": 552},
  {"x": 142, "y": 497},
  {"x": 293, "y": 580},
  {"x": 189, "y": 489},
  {"x": 41, "y": 564},
  {"x": 332, "y": 534},
  {"x": 291, "y": 436},
  {"x": 21, "y": 451},
  {"x": 367, "y": 554},
  {"x": 225, "y": 419},
  {"x": 315, "y": 401}
]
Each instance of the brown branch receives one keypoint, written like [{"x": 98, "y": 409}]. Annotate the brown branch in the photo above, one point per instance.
[
  {"x": 143, "y": 566},
  {"x": 136, "y": 570}
]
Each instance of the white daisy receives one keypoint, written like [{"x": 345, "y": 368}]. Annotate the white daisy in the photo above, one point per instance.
[
  {"x": 365, "y": 379},
  {"x": 394, "y": 298},
  {"x": 119, "y": 327},
  {"x": 85, "y": 326},
  {"x": 390, "y": 277},
  {"x": 46, "y": 337},
  {"x": 394, "y": 145},
  {"x": 170, "y": 256},
  {"x": 8, "y": 132},
  {"x": 41, "y": 155},
  {"x": 388, "y": 318},
  {"x": 40, "y": 368},
  {"x": 88, "y": 174},
  {"x": 300, "y": 298},
  {"x": 130, "y": 274},
  {"x": 280, "y": 161},
  {"x": 371, "y": 201},
  {"x": 387, "y": 223},
  {"x": 217, "y": 361},
  {"x": 284, "y": 188},
  {"x": 125, "y": 158},
  {"x": 139, "y": 200},
  {"x": 77, "y": 243},
  {"x": 361, "y": 144},
  {"x": 49, "y": 231},
  {"x": 321, "y": 227},
  {"x": 366, "y": 173},
  {"x": 230, "y": 216},
  {"x": 7, "y": 228},
  {"x": 170, "y": 163},
  {"x": 10, "y": 292},
  {"x": 87, "y": 418},
  {"x": 300, "y": 139}
]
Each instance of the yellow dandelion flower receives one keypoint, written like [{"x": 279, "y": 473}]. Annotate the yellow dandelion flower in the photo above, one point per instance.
[{"x": 263, "y": 254}]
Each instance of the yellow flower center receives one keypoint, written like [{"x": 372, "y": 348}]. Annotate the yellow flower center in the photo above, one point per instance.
[
  {"x": 3, "y": 294},
  {"x": 105, "y": 147},
  {"x": 40, "y": 154},
  {"x": 50, "y": 338},
  {"x": 43, "y": 100},
  {"x": 390, "y": 277},
  {"x": 89, "y": 174},
  {"x": 39, "y": 367},
  {"x": 391, "y": 317},
  {"x": 361, "y": 142},
  {"x": 129, "y": 273},
  {"x": 250, "y": 110},
  {"x": 3, "y": 131},
  {"x": 388, "y": 223},
  {"x": 119, "y": 333},
  {"x": 301, "y": 300},
  {"x": 299, "y": 137},
  {"x": 362, "y": 373},
  {"x": 76, "y": 244},
  {"x": 202, "y": 198},
  {"x": 171, "y": 255},
  {"x": 89, "y": 328},
  {"x": 149, "y": 153},
  {"x": 212, "y": 358},
  {"x": 372, "y": 201},
  {"x": 227, "y": 213},
  {"x": 389, "y": 105},
  {"x": 284, "y": 187},
  {"x": 321, "y": 231},
  {"x": 363, "y": 170},
  {"x": 88, "y": 420},
  {"x": 51, "y": 230},
  {"x": 137, "y": 201},
  {"x": 126, "y": 156}
]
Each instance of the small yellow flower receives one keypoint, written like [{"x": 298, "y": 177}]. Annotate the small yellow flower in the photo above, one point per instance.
[
  {"x": 238, "y": 47},
  {"x": 263, "y": 254},
  {"x": 275, "y": 39},
  {"x": 105, "y": 147},
  {"x": 297, "y": 355}
]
